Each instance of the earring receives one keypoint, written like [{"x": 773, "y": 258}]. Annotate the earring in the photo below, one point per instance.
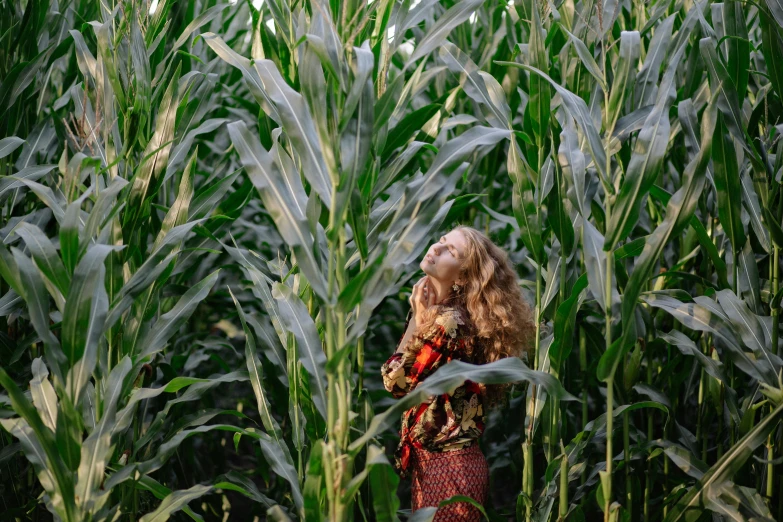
[{"x": 456, "y": 287}]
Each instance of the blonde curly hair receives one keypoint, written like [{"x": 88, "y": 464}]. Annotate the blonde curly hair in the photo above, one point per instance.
[{"x": 499, "y": 316}]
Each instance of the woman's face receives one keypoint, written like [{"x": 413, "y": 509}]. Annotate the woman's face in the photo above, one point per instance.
[{"x": 444, "y": 258}]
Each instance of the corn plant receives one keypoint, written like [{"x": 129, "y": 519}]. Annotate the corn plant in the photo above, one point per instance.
[
  {"x": 609, "y": 148},
  {"x": 118, "y": 258},
  {"x": 198, "y": 195},
  {"x": 103, "y": 218},
  {"x": 351, "y": 136}
]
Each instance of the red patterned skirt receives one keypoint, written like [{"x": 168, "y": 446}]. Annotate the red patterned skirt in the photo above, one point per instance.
[{"x": 438, "y": 476}]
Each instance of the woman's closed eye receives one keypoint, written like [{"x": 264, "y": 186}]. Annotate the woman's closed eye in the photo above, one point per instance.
[{"x": 450, "y": 251}]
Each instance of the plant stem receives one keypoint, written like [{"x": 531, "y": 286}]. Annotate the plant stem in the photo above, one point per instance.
[
  {"x": 775, "y": 333},
  {"x": 775, "y": 312},
  {"x": 700, "y": 408},
  {"x": 610, "y": 383},
  {"x": 608, "y": 191},
  {"x": 627, "y": 458},
  {"x": 563, "y": 511},
  {"x": 528, "y": 473},
  {"x": 609, "y": 427},
  {"x": 583, "y": 368},
  {"x": 527, "y": 479},
  {"x": 648, "y": 483}
]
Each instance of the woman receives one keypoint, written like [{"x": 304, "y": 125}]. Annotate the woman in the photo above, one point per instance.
[{"x": 469, "y": 307}]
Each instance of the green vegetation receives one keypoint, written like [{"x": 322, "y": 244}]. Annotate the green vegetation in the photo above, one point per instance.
[{"x": 207, "y": 212}]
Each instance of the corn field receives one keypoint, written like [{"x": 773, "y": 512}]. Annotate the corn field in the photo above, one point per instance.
[{"x": 210, "y": 214}]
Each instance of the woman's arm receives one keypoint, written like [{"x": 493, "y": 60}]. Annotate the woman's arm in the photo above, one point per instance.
[
  {"x": 419, "y": 356},
  {"x": 410, "y": 329}
]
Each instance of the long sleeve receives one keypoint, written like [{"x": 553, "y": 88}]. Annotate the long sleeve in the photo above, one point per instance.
[
  {"x": 405, "y": 328},
  {"x": 424, "y": 353},
  {"x": 443, "y": 422}
]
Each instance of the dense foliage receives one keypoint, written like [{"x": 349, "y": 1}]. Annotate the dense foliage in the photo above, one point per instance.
[{"x": 209, "y": 213}]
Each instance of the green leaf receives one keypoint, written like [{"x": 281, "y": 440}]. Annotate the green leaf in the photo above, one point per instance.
[
  {"x": 179, "y": 152},
  {"x": 148, "y": 273},
  {"x": 160, "y": 491},
  {"x": 557, "y": 214},
  {"x": 45, "y": 255},
  {"x": 53, "y": 200},
  {"x": 729, "y": 464},
  {"x": 587, "y": 58},
  {"x": 775, "y": 231},
  {"x": 256, "y": 380},
  {"x": 728, "y": 186},
  {"x": 383, "y": 484},
  {"x": 314, "y": 484},
  {"x": 234, "y": 481},
  {"x": 42, "y": 393},
  {"x": 630, "y": 249},
  {"x": 440, "y": 30},
  {"x": 540, "y": 97},
  {"x": 245, "y": 66},
  {"x": 261, "y": 290},
  {"x": 552, "y": 283},
  {"x": 297, "y": 123},
  {"x": 69, "y": 230},
  {"x": 168, "y": 324},
  {"x": 16, "y": 181},
  {"x": 9, "y": 145},
  {"x": 698, "y": 316},
  {"x": 176, "y": 501},
  {"x": 595, "y": 262},
  {"x": 732, "y": 23},
  {"x": 728, "y": 99},
  {"x": 297, "y": 320},
  {"x": 712, "y": 366},
  {"x": 701, "y": 233},
  {"x": 679, "y": 211},
  {"x": 178, "y": 213},
  {"x": 646, "y": 84},
  {"x": 80, "y": 372},
  {"x": 156, "y": 156},
  {"x": 629, "y": 56},
  {"x": 772, "y": 47},
  {"x": 776, "y": 8},
  {"x": 37, "y": 300},
  {"x": 750, "y": 332},
  {"x": 280, "y": 202},
  {"x": 523, "y": 204},
  {"x": 97, "y": 447},
  {"x": 565, "y": 324},
  {"x": 474, "y": 85},
  {"x": 357, "y": 136},
  {"x": 209, "y": 198},
  {"x": 79, "y": 318},
  {"x": 38, "y": 440},
  {"x": 354, "y": 291},
  {"x": 362, "y": 75},
  {"x": 572, "y": 162},
  {"x": 281, "y": 463},
  {"x": 447, "y": 378},
  {"x": 578, "y": 110},
  {"x": 409, "y": 126},
  {"x": 646, "y": 162}
]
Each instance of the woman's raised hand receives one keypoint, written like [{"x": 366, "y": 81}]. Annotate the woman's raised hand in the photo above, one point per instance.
[{"x": 422, "y": 297}]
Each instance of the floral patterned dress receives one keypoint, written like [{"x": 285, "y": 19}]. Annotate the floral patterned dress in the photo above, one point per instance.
[{"x": 447, "y": 422}]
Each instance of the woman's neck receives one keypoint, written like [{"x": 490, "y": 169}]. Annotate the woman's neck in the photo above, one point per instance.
[{"x": 442, "y": 290}]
